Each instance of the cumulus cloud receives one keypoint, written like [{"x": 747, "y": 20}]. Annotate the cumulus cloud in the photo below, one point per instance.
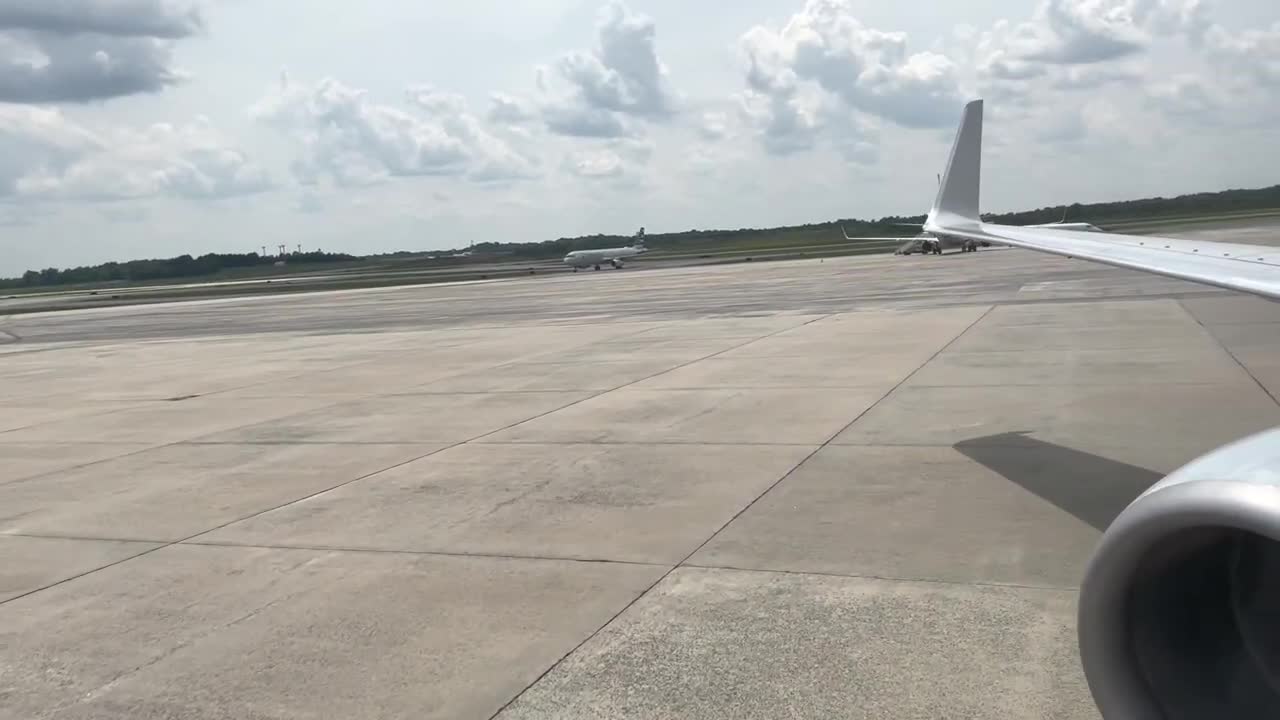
[
  {"x": 1075, "y": 45},
  {"x": 586, "y": 122},
  {"x": 868, "y": 69},
  {"x": 125, "y": 18},
  {"x": 1186, "y": 97},
  {"x": 510, "y": 110},
  {"x": 1252, "y": 54},
  {"x": 1091, "y": 77},
  {"x": 593, "y": 93},
  {"x": 1079, "y": 31},
  {"x": 354, "y": 141},
  {"x": 787, "y": 122},
  {"x": 87, "y": 50},
  {"x": 714, "y": 125},
  {"x": 1095, "y": 125},
  {"x": 46, "y": 155},
  {"x": 594, "y": 163},
  {"x": 794, "y": 121}
]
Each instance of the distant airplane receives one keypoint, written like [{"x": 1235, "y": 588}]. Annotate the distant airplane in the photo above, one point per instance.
[
  {"x": 1179, "y": 609},
  {"x": 579, "y": 259}
]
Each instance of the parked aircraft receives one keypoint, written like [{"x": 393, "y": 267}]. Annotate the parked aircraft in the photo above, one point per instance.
[
  {"x": 614, "y": 256},
  {"x": 929, "y": 244},
  {"x": 1179, "y": 609}
]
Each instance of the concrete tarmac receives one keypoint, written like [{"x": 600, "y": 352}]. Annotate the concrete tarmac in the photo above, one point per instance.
[{"x": 861, "y": 487}]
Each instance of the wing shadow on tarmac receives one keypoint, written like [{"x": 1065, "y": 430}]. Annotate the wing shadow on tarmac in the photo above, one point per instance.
[{"x": 1088, "y": 486}]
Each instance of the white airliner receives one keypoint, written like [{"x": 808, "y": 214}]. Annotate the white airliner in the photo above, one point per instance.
[
  {"x": 1178, "y": 614},
  {"x": 928, "y": 244},
  {"x": 614, "y": 256}
]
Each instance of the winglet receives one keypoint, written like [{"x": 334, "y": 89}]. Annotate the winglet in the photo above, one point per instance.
[{"x": 957, "y": 202}]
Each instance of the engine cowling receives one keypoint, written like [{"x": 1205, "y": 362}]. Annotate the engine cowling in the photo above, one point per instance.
[{"x": 1179, "y": 611}]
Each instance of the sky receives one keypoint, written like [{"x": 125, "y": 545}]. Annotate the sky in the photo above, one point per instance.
[{"x": 153, "y": 128}]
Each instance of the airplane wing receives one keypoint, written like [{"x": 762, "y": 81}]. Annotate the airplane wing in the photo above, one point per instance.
[{"x": 1247, "y": 268}]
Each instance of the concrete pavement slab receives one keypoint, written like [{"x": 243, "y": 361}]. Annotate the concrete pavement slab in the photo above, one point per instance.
[
  {"x": 933, "y": 513},
  {"x": 174, "y": 492},
  {"x": 1241, "y": 336},
  {"x": 30, "y": 414},
  {"x": 733, "y": 327},
  {"x": 158, "y": 423},
  {"x": 365, "y": 378},
  {"x": 20, "y": 461},
  {"x": 213, "y": 632},
  {"x": 1092, "y": 314},
  {"x": 897, "y": 321},
  {"x": 640, "y": 503},
  {"x": 28, "y": 564},
  {"x": 418, "y": 418},
  {"x": 568, "y": 376},
  {"x": 1117, "y": 336},
  {"x": 1201, "y": 365},
  {"x": 720, "y": 643},
  {"x": 674, "y": 350},
  {"x": 865, "y": 369},
  {"x": 842, "y": 342},
  {"x": 1232, "y": 308},
  {"x": 1154, "y": 426},
  {"x": 762, "y": 415}
]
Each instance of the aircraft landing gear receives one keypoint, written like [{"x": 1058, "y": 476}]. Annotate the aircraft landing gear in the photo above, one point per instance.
[{"x": 597, "y": 267}]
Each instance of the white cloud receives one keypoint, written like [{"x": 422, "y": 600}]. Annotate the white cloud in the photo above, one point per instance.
[
  {"x": 1079, "y": 31},
  {"x": 126, "y": 18},
  {"x": 353, "y": 141},
  {"x": 47, "y": 156},
  {"x": 1091, "y": 77},
  {"x": 596, "y": 93},
  {"x": 1072, "y": 45},
  {"x": 1184, "y": 96},
  {"x": 594, "y": 164},
  {"x": 869, "y": 70},
  {"x": 510, "y": 110},
  {"x": 87, "y": 50},
  {"x": 714, "y": 125},
  {"x": 1252, "y": 54}
]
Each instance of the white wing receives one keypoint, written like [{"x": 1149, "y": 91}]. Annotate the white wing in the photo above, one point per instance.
[
  {"x": 895, "y": 237},
  {"x": 1247, "y": 268}
]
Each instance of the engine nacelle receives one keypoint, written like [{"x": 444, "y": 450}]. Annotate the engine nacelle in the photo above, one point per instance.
[{"x": 1179, "y": 613}]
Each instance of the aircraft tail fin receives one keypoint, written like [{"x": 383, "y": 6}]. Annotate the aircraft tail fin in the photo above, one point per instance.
[
  {"x": 958, "y": 193},
  {"x": 639, "y": 241}
]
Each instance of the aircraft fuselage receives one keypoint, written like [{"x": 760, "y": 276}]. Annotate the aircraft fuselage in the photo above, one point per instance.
[{"x": 595, "y": 258}]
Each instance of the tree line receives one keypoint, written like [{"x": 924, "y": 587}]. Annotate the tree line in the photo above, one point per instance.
[{"x": 182, "y": 266}]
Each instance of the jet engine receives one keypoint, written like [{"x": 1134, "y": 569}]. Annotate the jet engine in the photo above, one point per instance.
[{"x": 1179, "y": 611}]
